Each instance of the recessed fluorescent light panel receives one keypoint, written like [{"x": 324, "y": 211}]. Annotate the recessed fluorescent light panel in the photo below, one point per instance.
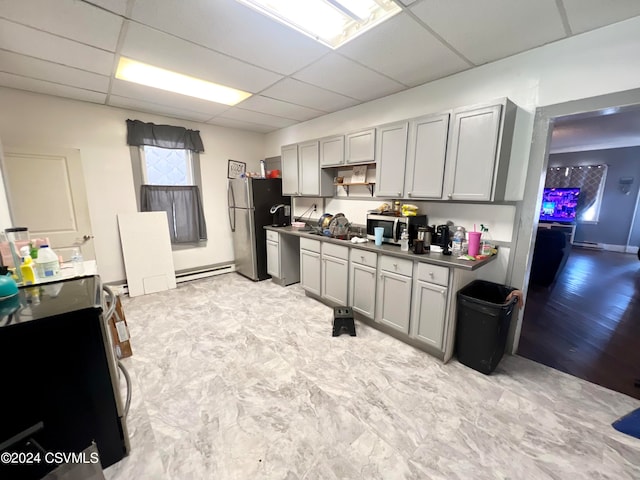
[
  {"x": 331, "y": 22},
  {"x": 137, "y": 72}
]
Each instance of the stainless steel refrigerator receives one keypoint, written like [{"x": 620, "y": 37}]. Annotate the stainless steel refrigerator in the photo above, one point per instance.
[{"x": 250, "y": 200}]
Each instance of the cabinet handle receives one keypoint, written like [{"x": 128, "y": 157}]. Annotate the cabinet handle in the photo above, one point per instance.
[
  {"x": 410, "y": 194},
  {"x": 395, "y": 266},
  {"x": 431, "y": 274},
  {"x": 399, "y": 194},
  {"x": 450, "y": 195},
  {"x": 444, "y": 293},
  {"x": 362, "y": 258}
]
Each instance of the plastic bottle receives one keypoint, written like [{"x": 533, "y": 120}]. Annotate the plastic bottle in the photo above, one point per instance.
[
  {"x": 404, "y": 240},
  {"x": 47, "y": 264},
  {"x": 27, "y": 271},
  {"x": 78, "y": 261},
  {"x": 485, "y": 242},
  {"x": 458, "y": 242}
]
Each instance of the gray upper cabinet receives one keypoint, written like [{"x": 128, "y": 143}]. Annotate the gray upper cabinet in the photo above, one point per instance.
[
  {"x": 290, "y": 174},
  {"x": 360, "y": 147},
  {"x": 426, "y": 156},
  {"x": 391, "y": 154},
  {"x": 332, "y": 151},
  {"x": 479, "y": 152},
  {"x": 301, "y": 172}
]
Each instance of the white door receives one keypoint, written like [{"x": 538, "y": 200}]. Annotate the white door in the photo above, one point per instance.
[{"x": 46, "y": 193}]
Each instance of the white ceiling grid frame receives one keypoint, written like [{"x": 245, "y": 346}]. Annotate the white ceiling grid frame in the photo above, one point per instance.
[
  {"x": 487, "y": 30},
  {"x": 312, "y": 96},
  {"x": 157, "y": 109},
  {"x": 257, "y": 117},
  {"x": 233, "y": 29},
  {"x": 52, "y": 72},
  {"x": 34, "y": 43},
  {"x": 48, "y": 88},
  {"x": 402, "y": 49},
  {"x": 259, "y": 103},
  {"x": 585, "y": 15},
  {"x": 70, "y": 19},
  {"x": 341, "y": 75}
]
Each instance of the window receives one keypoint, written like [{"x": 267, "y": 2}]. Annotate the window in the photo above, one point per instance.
[{"x": 165, "y": 166}]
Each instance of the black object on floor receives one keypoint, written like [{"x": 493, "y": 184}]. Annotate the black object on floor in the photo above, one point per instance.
[
  {"x": 483, "y": 324},
  {"x": 629, "y": 424},
  {"x": 343, "y": 321}
]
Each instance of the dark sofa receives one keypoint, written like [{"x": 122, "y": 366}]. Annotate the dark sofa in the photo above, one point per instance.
[{"x": 550, "y": 254}]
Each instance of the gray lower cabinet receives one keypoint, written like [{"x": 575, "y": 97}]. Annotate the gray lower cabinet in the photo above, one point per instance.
[
  {"x": 283, "y": 258},
  {"x": 362, "y": 282},
  {"x": 394, "y": 293},
  {"x": 310, "y": 271},
  {"x": 429, "y": 308},
  {"x": 335, "y": 273}
]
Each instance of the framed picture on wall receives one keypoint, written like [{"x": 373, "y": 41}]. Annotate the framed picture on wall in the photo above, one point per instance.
[{"x": 236, "y": 169}]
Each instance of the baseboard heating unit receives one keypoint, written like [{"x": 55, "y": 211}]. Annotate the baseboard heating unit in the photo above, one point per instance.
[
  {"x": 591, "y": 245},
  {"x": 195, "y": 274}
]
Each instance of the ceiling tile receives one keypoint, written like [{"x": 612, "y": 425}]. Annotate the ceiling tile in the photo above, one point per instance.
[
  {"x": 26, "y": 40},
  {"x": 233, "y": 29},
  {"x": 346, "y": 77},
  {"x": 405, "y": 51},
  {"x": 116, "y": 6},
  {"x": 52, "y": 72},
  {"x": 300, "y": 93},
  {"x": 162, "y": 50},
  {"x": 492, "y": 29},
  {"x": 407, "y": 2},
  {"x": 262, "y": 104},
  {"x": 142, "y": 106},
  {"x": 256, "y": 117},
  {"x": 48, "y": 88},
  {"x": 68, "y": 18},
  {"x": 589, "y": 14},
  {"x": 168, "y": 99},
  {"x": 252, "y": 127}
]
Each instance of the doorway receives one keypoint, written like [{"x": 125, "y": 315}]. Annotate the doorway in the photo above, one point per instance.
[
  {"x": 581, "y": 323},
  {"x": 46, "y": 193}
]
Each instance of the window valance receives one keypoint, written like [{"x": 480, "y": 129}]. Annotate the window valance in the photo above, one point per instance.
[{"x": 163, "y": 136}]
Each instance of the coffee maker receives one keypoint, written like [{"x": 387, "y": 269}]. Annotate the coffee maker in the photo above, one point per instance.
[
  {"x": 442, "y": 238},
  {"x": 281, "y": 215}
]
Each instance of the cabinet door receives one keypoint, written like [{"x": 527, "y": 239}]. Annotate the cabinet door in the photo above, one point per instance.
[
  {"x": 362, "y": 289},
  {"x": 310, "y": 271},
  {"x": 309, "y": 164},
  {"x": 391, "y": 155},
  {"x": 290, "y": 172},
  {"x": 273, "y": 258},
  {"x": 332, "y": 151},
  {"x": 426, "y": 156},
  {"x": 360, "y": 147},
  {"x": 394, "y": 301},
  {"x": 429, "y": 308},
  {"x": 472, "y": 153},
  {"x": 335, "y": 276}
]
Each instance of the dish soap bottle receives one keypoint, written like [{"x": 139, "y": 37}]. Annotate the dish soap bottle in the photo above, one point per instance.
[{"x": 404, "y": 240}]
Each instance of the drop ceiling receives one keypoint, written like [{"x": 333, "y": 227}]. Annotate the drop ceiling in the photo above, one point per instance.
[{"x": 70, "y": 48}]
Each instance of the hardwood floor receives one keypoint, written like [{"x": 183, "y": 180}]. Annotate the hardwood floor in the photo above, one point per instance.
[{"x": 588, "y": 323}]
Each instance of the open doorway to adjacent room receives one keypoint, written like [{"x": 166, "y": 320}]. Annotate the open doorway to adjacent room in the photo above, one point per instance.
[{"x": 583, "y": 302}]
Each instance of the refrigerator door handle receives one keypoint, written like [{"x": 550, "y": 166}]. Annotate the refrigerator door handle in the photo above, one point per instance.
[{"x": 232, "y": 208}]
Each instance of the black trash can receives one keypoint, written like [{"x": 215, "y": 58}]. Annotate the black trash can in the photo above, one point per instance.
[{"x": 483, "y": 323}]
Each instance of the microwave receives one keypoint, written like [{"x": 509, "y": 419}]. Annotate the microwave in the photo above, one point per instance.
[{"x": 393, "y": 227}]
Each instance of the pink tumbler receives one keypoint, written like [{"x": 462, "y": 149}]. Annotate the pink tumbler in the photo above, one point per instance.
[{"x": 474, "y": 243}]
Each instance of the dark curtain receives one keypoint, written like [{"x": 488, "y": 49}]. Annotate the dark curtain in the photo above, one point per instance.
[
  {"x": 164, "y": 136},
  {"x": 184, "y": 210}
]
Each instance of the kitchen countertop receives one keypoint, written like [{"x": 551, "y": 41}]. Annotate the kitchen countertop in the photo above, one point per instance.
[{"x": 387, "y": 249}]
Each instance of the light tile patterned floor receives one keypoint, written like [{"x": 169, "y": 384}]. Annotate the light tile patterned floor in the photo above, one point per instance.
[{"x": 241, "y": 380}]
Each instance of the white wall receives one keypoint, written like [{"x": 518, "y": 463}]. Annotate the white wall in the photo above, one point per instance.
[{"x": 99, "y": 132}]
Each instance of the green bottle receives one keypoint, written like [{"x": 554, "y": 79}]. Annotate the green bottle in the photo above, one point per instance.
[{"x": 33, "y": 251}]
